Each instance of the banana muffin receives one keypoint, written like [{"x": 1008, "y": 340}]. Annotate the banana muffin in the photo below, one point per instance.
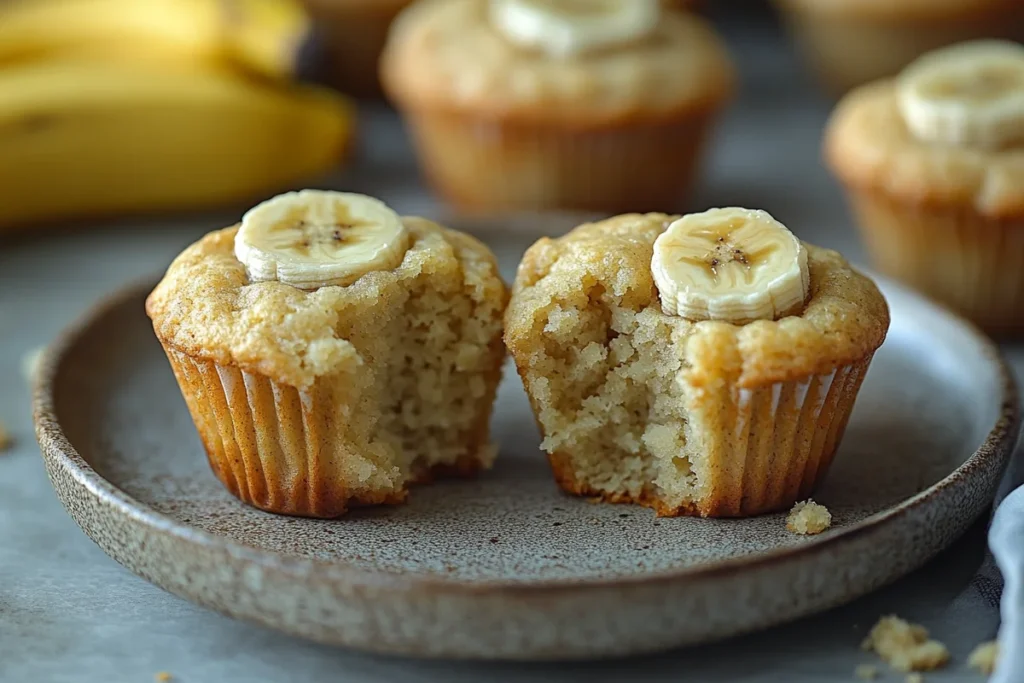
[
  {"x": 933, "y": 166},
  {"x": 354, "y": 32},
  {"x": 532, "y": 104},
  {"x": 702, "y": 365},
  {"x": 852, "y": 42},
  {"x": 331, "y": 353}
]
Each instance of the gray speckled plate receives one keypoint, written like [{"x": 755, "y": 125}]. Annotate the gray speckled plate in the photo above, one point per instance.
[{"x": 506, "y": 566}]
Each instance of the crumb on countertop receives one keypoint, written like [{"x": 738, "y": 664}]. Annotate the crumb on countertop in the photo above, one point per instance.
[
  {"x": 905, "y": 646},
  {"x": 914, "y": 678},
  {"x": 866, "y": 672},
  {"x": 808, "y": 517},
  {"x": 985, "y": 657},
  {"x": 30, "y": 363},
  {"x": 163, "y": 677},
  {"x": 6, "y": 440}
]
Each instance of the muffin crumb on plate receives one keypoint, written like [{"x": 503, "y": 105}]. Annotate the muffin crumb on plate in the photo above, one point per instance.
[
  {"x": 905, "y": 646},
  {"x": 808, "y": 518},
  {"x": 985, "y": 657}
]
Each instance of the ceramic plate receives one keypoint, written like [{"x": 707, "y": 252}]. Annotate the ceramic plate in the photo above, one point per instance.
[{"x": 506, "y": 566}]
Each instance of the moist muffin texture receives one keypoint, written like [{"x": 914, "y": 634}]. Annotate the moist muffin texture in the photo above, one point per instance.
[
  {"x": 309, "y": 402},
  {"x": 946, "y": 219},
  {"x": 688, "y": 418},
  {"x": 501, "y": 126}
]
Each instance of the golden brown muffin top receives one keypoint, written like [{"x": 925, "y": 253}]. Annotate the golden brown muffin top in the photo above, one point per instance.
[
  {"x": 445, "y": 54},
  {"x": 868, "y": 145},
  {"x": 206, "y": 307},
  {"x": 845, "y": 318},
  {"x": 900, "y": 9}
]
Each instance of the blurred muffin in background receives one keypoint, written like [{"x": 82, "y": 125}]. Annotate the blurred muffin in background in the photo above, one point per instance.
[
  {"x": 354, "y": 32},
  {"x": 852, "y": 42},
  {"x": 532, "y": 104},
  {"x": 933, "y": 163}
]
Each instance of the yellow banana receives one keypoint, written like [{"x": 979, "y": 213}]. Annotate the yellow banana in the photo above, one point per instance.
[
  {"x": 82, "y": 139},
  {"x": 263, "y": 36}
]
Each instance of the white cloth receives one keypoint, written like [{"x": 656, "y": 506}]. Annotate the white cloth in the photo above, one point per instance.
[{"x": 1006, "y": 540}]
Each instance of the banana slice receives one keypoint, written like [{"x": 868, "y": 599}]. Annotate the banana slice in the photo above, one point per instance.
[
  {"x": 968, "y": 94},
  {"x": 312, "y": 239},
  {"x": 735, "y": 265},
  {"x": 563, "y": 28}
]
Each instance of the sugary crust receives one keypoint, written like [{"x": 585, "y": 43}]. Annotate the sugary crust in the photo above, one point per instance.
[
  {"x": 445, "y": 55},
  {"x": 903, "y": 10},
  {"x": 206, "y": 308},
  {"x": 868, "y": 145},
  {"x": 845, "y": 320}
]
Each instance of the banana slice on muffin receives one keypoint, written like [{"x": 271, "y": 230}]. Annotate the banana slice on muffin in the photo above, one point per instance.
[
  {"x": 311, "y": 239},
  {"x": 570, "y": 27},
  {"x": 704, "y": 364},
  {"x": 732, "y": 264},
  {"x": 970, "y": 94}
]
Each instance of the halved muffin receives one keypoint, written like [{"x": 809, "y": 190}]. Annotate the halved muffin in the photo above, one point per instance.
[
  {"x": 331, "y": 353},
  {"x": 701, "y": 365}
]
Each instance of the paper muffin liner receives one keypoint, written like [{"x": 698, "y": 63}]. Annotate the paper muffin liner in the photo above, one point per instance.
[
  {"x": 271, "y": 445},
  {"x": 846, "y": 51},
  {"x": 973, "y": 264},
  {"x": 771, "y": 446},
  {"x": 479, "y": 163}
]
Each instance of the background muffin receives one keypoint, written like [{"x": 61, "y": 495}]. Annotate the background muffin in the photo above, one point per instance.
[
  {"x": 933, "y": 164},
  {"x": 354, "y": 32},
  {"x": 331, "y": 353},
  {"x": 637, "y": 403},
  {"x": 604, "y": 112},
  {"x": 851, "y": 42}
]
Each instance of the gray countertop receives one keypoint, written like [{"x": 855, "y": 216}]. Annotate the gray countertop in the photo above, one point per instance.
[{"x": 69, "y": 613}]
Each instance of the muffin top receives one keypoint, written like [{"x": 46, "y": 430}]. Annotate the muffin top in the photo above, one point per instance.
[
  {"x": 453, "y": 54},
  {"x": 946, "y": 133},
  {"x": 901, "y": 9},
  {"x": 843, "y": 319},
  {"x": 208, "y": 307}
]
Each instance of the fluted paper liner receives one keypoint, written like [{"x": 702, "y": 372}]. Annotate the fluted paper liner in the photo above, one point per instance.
[
  {"x": 771, "y": 446},
  {"x": 973, "y": 264},
  {"x": 274, "y": 446},
  {"x": 487, "y": 164}
]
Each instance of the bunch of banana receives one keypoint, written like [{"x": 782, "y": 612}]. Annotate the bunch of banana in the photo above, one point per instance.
[{"x": 117, "y": 106}]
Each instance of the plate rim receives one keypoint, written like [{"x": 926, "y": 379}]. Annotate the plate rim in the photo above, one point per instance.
[{"x": 58, "y": 451}]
